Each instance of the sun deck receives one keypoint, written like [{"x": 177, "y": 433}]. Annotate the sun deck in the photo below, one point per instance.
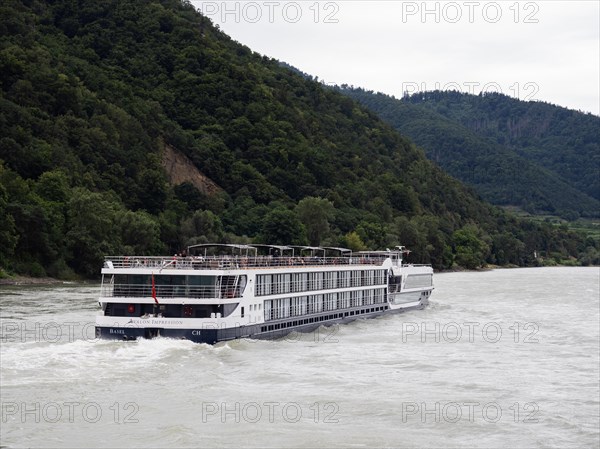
[{"x": 235, "y": 262}]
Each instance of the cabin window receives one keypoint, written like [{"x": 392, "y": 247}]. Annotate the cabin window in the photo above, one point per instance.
[
  {"x": 268, "y": 310},
  {"x": 168, "y": 286},
  {"x": 298, "y": 306},
  {"x": 343, "y": 279},
  {"x": 303, "y": 282},
  {"x": 418, "y": 281},
  {"x": 329, "y": 280},
  {"x": 356, "y": 278},
  {"x": 281, "y": 283},
  {"x": 303, "y": 305},
  {"x": 201, "y": 286},
  {"x": 268, "y": 284},
  {"x": 285, "y": 307},
  {"x": 343, "y": 300},
  {"x": 319, "y": 303},
  {"x": 330, "y": 301},
  {"x": 319, "y": 280},
  {"x": 276, "y": 284},
  {"x": 140, "y": 285},
  {"x": 263, "y": 284},
  {"x": 379, "y": 296},
  {"x": 287, "y": 283},
  {"x": 296, "y": 280},
  {"x": 354, "y": 301}
]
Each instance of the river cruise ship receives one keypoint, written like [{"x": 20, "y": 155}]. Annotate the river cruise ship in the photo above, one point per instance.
[{"x": 224, "y": 292}]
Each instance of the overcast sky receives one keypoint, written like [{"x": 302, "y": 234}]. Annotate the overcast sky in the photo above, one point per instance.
[{"x": 542, "y": 50}]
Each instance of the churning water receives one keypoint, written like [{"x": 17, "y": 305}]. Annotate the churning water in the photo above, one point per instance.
[{"x": 505, "y": 358}]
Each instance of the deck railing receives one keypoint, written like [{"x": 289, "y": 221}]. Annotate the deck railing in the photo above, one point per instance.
[{"x": 233, "y": 262}]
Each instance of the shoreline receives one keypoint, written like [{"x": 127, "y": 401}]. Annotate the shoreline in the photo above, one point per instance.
[{"x": 28, "y": 280}]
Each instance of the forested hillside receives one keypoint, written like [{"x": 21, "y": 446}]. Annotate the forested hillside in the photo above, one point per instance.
[
  {"x": 499, "y": 172},
  {"x": 564, "y": 141},
  {"x": 103, "y": 100}
]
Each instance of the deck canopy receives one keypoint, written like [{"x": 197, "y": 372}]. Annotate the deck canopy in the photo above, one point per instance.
[
  {"x": 338, "y": 251},
  {"x": 309, "y": 251},
  {"x": 254, "y": 250},
  {"x": 275, "y": 250},
  {"x": 221, "y": 249},
  {"x": 321, "y": 251},
  {"x": 394, "y": 254}
]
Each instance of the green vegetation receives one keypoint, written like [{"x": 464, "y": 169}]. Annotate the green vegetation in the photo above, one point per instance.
[
  {"x": 535, "y": 156},
  {"x": 563, "y": 141},
  {"x": 94, "y": 91},
  {"x": 589, "y": 229}
]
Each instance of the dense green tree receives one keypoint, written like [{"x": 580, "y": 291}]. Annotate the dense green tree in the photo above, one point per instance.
[
  {"x": 190, "y": 195},
  {"x": 140, "y": 233},
  {"x": 281, "y": 226},
  {"x": 202, "y": 227},
  {"x": 53, "y": 186},
  {"x": 315, "y": 214},
  {"x": 507, "y": 249},
  {"x": 93, "y": 230},
  {"x": 353, "y": 241},
  {"x": 470, "y": 250},
  {"x": 374, "y": 234},
  {"x": 8, "y": 234}
]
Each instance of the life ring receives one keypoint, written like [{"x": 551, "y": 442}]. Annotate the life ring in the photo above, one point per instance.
[{"x": 187, "y": 311}]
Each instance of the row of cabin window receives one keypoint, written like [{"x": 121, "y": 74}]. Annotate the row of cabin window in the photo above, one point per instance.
[
  {"x": 304, "y": 305},
  {"x": 277, "y": 284},
  {"x": 320, "y": 318}
]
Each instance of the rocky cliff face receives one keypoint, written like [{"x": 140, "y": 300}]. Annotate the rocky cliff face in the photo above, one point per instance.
[{"x": 180, "y": 169}]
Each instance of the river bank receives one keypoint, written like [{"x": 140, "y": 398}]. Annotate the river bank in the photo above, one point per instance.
[{"x": 27, "y": 280}]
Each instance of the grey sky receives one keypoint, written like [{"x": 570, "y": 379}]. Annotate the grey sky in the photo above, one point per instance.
[{"x": 541, "y": 50}]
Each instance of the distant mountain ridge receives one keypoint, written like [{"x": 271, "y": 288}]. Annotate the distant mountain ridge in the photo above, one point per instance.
[
  {"x": 508, "y": 150},
  {"x": 562, "y": 140}
]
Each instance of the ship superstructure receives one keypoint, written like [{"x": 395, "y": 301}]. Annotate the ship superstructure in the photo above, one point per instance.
[{"x": 224, "y": 292}]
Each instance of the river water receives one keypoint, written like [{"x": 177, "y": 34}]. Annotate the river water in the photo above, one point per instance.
[{"x": 504, "y": 358}]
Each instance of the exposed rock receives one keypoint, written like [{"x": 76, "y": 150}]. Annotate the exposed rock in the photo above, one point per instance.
[{"x": 181, "y": 169}]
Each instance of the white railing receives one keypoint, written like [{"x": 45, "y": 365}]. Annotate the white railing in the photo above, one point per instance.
[{"x": 233, "y": 262}]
